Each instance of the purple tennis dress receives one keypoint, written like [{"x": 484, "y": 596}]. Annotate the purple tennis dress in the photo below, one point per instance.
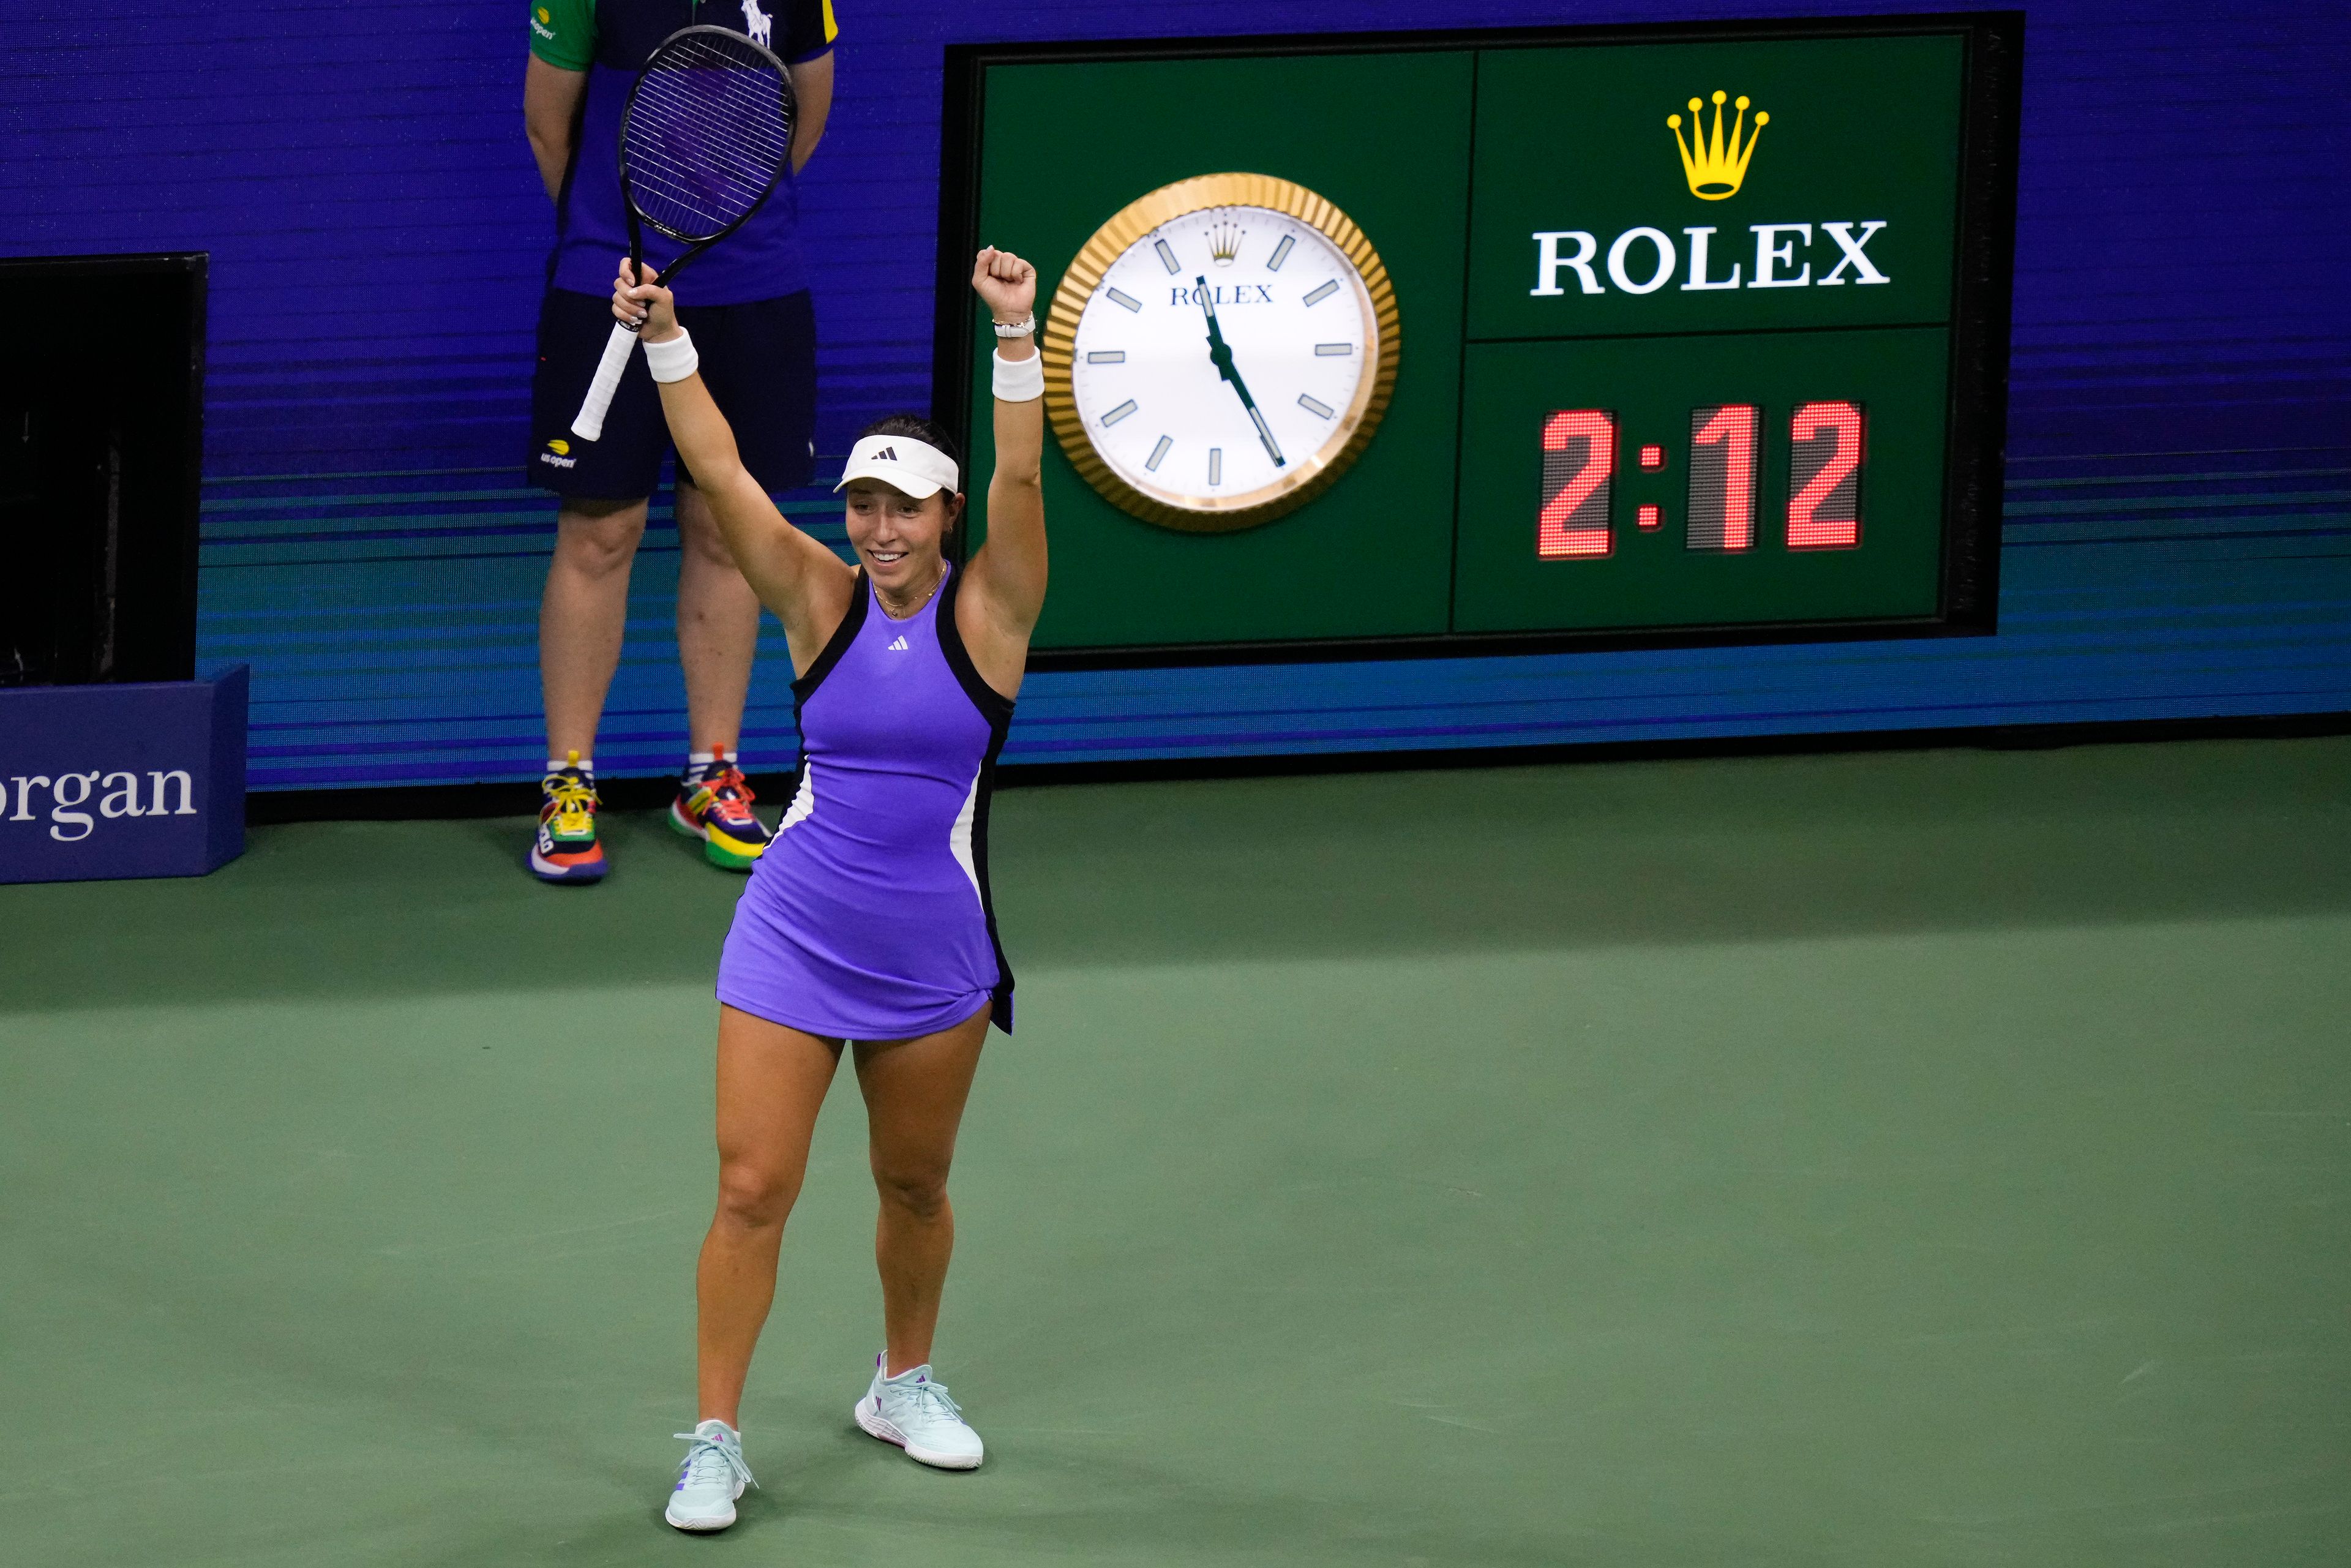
[{"x": 869, "y": 916}]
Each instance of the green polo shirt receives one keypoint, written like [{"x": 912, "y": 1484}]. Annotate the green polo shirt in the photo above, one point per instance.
[{"x": 563, "y": 32}]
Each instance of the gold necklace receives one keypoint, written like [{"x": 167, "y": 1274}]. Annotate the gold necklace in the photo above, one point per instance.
[{"x": 915, "y": 609}]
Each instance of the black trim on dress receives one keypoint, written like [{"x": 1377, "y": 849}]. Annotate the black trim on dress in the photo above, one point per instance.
[
  {"x": 993, "y": 704},
  {"x": 997, "y": 709},
  {"x": 836, "y": 646}
]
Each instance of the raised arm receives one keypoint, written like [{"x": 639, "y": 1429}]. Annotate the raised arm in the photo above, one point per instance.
[
  {"x": 803, "y": 583},
  {"x": 1006, "y": 579}
]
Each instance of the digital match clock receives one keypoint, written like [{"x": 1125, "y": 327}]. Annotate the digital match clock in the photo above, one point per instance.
[
  {"x": 1709, "y": 332},
  {"x": 1580, "y": 450}
]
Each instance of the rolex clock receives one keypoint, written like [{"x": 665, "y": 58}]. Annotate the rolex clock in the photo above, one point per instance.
[
  {"x": 1710, "y": 343},
  {"x": 1220, "y": 350}
]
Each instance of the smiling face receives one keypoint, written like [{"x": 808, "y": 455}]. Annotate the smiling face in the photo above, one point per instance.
[{"x": 898, "y": 538}]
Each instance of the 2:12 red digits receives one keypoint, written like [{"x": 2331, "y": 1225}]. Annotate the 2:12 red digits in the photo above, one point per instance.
[{"x": 1825, "y": 457}]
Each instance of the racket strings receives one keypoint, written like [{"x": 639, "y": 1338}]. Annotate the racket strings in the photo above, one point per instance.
[{"x": 708, "y": 133}]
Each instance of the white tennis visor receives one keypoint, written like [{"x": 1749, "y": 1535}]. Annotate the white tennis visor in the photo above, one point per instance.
[{"x": 903, "y": 462}]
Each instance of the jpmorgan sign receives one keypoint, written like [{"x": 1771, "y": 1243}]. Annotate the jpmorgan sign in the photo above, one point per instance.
[
  {"x": 122, "y": 780},
  {"x": 111, "y": 795}
]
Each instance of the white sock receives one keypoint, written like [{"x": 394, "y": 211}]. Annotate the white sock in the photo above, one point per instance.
[{"x": 586, "y": 764}]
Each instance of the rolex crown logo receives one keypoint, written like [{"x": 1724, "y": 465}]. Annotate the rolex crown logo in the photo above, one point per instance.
[
  {"x": 1225, "y": 243},
  {"x": 1714, "y": 166}
]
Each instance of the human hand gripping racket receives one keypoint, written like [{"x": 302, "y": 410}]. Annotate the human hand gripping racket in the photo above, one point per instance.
[{"x": 706, "y": 137}]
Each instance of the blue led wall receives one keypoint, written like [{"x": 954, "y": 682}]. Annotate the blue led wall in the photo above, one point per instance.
[{"x": 2178, "y": 540}]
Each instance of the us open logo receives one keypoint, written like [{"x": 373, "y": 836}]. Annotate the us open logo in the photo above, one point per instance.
[
  {"x": 1643, "y": 259},
  {"x": 114, "y": 795}
]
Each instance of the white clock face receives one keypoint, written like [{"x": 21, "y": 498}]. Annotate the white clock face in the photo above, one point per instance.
[{"x": 1193, "y": 428}]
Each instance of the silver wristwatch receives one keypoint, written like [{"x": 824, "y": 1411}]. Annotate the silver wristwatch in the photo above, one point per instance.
[{"x": 1021, "y": 328}]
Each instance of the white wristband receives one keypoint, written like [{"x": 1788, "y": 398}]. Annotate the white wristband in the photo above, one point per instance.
[
  {"x": 1019, "y": 380},
  {"x": 673, "y": 359}
]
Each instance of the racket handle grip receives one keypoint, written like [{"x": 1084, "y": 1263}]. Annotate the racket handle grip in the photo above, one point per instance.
[{"x": 590, "y": 424}]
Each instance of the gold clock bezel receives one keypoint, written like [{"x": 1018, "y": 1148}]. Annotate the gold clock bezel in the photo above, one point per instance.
[{"x": 1138, "y": 219}]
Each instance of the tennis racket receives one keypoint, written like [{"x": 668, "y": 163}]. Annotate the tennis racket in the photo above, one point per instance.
[{"x": 706, "y": 137}]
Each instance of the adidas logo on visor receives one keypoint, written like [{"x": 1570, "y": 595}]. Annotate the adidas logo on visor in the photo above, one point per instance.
[{"x": 912, "y": 465}]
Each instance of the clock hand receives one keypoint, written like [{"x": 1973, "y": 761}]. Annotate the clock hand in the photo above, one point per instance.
[{"x": 1220, "y": 354}]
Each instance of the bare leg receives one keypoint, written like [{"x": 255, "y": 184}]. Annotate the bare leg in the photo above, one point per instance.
[
  {"x": 771, "y": 1083},
  {"x": 717, "y": 626},
  {"x": 914, "y": 1093},
  {"x": 582, "y": 615}
]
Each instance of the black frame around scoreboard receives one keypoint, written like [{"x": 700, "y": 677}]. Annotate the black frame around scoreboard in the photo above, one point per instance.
[{"x": 1991, "y": 93}]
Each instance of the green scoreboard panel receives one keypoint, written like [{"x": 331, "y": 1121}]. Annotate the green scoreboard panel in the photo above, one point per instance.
[{"x": 1697, "y": 334}]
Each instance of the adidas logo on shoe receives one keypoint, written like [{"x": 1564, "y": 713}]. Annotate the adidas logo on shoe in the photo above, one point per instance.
[{"x": 897, "y": 647}]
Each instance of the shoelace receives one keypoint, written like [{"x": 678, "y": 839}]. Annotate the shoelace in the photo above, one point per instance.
[
  {"x": 731, "y": 794},
  {"x": 710, "y": 1462},
  {"x": 570, "y": 795},
  {"x": 932, "y": 1398}
]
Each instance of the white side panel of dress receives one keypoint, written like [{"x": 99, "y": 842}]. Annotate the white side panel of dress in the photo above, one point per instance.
[
  {"x": 803, "y": 804},
  {"x": 959, "y": 836}
]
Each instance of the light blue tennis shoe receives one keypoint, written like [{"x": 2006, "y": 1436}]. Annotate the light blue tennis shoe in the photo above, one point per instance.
[
  {"x": 712, "y": 1478},
  {"x": 914, "y": 1412}
]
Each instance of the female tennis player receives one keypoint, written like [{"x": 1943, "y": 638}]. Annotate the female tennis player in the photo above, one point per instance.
[{"x": 869, "y": 920}]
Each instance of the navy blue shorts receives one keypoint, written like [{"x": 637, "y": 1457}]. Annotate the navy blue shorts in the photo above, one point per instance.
[{"x": 759, "y": 359}]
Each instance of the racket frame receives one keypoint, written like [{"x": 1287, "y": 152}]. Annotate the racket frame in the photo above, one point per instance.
[
  {"x": 638, "y": 221},
  {"x": 589, "y": 426}
]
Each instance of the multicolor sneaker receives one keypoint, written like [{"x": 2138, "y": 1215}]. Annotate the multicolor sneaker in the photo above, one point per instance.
[
  {"x": 565, "y": 849},
  {"x": 714, "y": 804},
  {"x": 712, "y": 1478},
  {"x": 916, "y": 1413}
]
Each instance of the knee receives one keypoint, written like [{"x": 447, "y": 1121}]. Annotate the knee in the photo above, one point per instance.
[
  {"x": 600, "y": 539},
  {"x": 918, "y": 1190},
  {"x": 754, "y": 1197}
]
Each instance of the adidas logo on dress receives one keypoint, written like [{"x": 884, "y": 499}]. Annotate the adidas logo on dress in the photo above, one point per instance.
[{"x": 898, "y": 647}]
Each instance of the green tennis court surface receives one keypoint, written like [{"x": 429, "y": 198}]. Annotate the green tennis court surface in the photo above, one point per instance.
[{"x": 1931, "y": 1158}]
